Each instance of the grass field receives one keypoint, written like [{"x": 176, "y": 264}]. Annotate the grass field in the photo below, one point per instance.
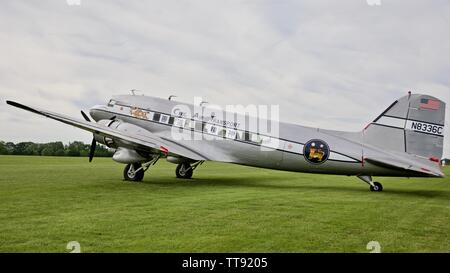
[{"x": 45, "y": 202}]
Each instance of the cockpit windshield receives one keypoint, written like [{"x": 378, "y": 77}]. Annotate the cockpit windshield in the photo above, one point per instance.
[{"x": 111, "y": 103}]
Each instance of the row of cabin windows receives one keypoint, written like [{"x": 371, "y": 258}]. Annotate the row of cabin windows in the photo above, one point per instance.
[{"x": 201, "y": 127}]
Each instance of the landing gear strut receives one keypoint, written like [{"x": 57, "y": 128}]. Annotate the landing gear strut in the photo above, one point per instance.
[
  {"x": 186, "y": 170},
  {"x": 374, "y": 186},
  {"x": 135, "y": 171}
]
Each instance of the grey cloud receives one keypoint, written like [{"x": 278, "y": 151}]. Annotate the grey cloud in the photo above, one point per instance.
[{"x": 351, "y": 58}]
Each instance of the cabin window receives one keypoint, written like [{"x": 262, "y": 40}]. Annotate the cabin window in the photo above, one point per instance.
[
  {"x": 156, "y": 116},
  {"x": 256, "y": 138},
  {"x": 164, "y": 119},
  {"x": 199, "y": 126},
  {"x": 239, "y": 135},
  {"x": 150, "y": 115},
  {"x": 231, "y": 134},
  {"x": 272, "y": 142},
  {"x": 247, "y": 136},
  {"x": 179, "y": 122},
  {"x": 188, "y": 124},
  {"x": 213, "y": 130},
  {"x": 222, "y": 133}
]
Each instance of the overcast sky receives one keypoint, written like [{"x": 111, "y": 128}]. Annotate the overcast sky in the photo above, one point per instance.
[{"x": 328, "y": 64}]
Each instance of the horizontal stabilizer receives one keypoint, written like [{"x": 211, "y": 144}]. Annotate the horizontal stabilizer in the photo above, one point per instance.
[{"x": 418, "y": 165}]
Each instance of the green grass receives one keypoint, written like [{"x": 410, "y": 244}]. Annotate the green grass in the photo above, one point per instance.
[{"x": 45, "y": 202}]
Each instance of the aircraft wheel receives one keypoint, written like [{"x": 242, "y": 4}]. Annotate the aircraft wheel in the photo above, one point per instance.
[
  {"x": 129, "y": 173},
  {"x": 377, "y": 187},
  {"x": 184, "y": 170}
]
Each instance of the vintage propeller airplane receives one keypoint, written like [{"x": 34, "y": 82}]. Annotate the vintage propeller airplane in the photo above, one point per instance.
[{"x": 406, "y": 140}]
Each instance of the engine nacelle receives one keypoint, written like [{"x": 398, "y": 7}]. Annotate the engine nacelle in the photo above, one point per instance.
[
  {"x": 109, "y": 142},
  {"x": 174, "y": 160},
  {"x": 125, "y": 152},
  {"x": 120, "y": 126},
  {"x": 127, "y": 156}
]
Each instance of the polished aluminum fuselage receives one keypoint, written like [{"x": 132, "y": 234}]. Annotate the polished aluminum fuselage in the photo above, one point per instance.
[{"x": 285, "y": 150}]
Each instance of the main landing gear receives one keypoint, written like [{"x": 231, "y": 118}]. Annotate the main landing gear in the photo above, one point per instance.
[
  {"x": 374, "y": 186},
  {"x": 185, "y": 170},
  {"x": 135, "y": 171}
]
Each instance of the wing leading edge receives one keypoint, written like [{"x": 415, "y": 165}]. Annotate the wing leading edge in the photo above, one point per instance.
[{"x": 149, "y": 140}]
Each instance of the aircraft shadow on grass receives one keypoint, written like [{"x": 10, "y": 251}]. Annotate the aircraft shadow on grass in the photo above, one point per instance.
[{"x": 260, "y": 182}]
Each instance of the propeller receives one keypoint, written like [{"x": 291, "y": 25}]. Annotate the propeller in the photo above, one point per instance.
[
  {"x": 92, "y": 151},
  {"x": 85, "y": 116},
  {"x": 94, "y": 142}
]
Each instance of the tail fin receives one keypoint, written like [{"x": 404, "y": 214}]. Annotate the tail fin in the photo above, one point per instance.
[{"x": 412, "y": 124}]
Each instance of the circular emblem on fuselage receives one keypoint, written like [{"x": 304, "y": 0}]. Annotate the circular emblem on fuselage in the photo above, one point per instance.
[{"x": 316, "y": 151}]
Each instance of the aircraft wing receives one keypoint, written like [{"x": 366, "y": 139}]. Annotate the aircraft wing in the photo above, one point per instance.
[
  {"x": 151, "y": 141},
  {"x": 415, "y": 164}
]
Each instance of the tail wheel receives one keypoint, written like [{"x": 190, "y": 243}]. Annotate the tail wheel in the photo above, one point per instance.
[
  {"x": 376, "y": 187},
  {"x": 184, "y": 170},
  {"x": 130, "y": 173}
]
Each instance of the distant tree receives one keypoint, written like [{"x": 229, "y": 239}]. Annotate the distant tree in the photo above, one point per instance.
[
  {"x": 10, "y": 147},
  {"x": 47, "y": 152},
  {"x": 21, "y": 148},
  {"x": 3, "y": 150},
  {"x": 32, "y": 149},
  {"x": 55, "y": 146},
  {"x": 103, "y": 151},
  {"x": 76, "y": 148},
  {"x": 84, "y": 148},
  {"x": 84, "y": 153},
  {"x": 60, "y": 152}
]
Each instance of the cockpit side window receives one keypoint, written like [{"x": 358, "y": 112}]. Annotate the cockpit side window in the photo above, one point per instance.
[{"x": 111, "y": 103}]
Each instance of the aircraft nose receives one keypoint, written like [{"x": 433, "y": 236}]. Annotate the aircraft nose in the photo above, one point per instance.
[{"x": 98, "y": 112}]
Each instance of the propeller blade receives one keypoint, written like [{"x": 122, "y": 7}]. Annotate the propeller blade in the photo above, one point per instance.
[
  {"x": 85, "y": 116},
  {"x": 92, "y": 151}
]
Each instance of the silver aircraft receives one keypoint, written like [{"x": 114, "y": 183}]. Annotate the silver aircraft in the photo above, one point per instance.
[{"x": 406, "y": 140}]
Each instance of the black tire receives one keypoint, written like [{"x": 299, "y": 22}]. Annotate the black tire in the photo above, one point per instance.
[
  {"x": 137, "y": 176},
  {"x": 182, "y": 173},
  {"x": 378, "y": 187}
]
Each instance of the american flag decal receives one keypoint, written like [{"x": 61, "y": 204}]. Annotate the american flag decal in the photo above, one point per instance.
[{"x": 430, "y": 104}]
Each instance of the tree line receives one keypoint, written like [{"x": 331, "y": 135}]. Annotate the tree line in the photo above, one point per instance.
[{"x": 76, "y": 148}]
